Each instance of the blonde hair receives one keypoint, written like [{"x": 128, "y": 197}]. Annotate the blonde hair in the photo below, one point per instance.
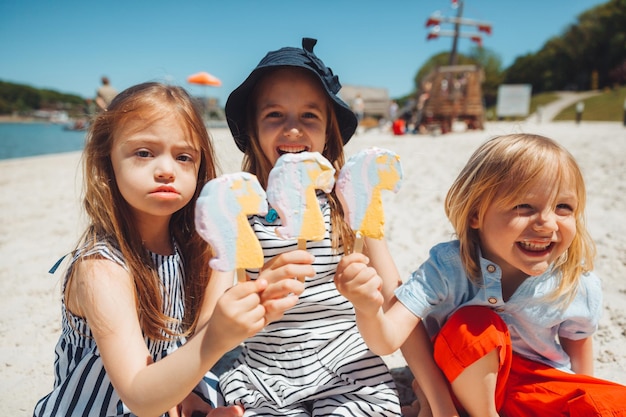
[
  {"x": 110, "y": 215},
  {"x": 255, "y": 161},
  {"x": 498, "y": 172}
]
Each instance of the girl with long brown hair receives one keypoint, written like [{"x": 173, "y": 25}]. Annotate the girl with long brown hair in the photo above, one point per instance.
[{"x": 144, "y": 318}]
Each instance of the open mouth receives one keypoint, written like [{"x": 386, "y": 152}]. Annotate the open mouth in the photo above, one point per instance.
[
  {"x": 291, "y": 149},
  {"x": 535, "y": 247}
]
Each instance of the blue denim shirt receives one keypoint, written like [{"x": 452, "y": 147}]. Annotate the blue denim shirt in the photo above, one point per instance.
[{"x": 440, "y": 286}]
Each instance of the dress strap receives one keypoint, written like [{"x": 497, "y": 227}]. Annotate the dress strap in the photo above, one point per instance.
[{"x": 58, "y": 263}]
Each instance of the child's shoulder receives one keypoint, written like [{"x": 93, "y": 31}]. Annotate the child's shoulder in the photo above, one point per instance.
[
  {"x": 446, "y": 250},
  {"x": 100, "y": 247},
  {"x": 590, "y": 281},
  {"x": 589, "y": 296},
  {"x": 445, "y": 255}
]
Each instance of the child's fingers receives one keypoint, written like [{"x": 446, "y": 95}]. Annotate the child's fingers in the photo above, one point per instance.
[
  {"x": 279, "y": 297},
  {"x": 275, "y": 309},
  {"x": 369, "y": 277},
  {"x": 356, "y": 257},
  {"x": 292, "y": 271},
  {"x": 254, "y": 320},
  {"x": 351, "y": 261},
  {"x": 282, "y": 271},
  {"x": 291, "y": 257},
  {"x": 243, "y": 289},
  {"x": 281, "y": 289},
  {"x": 355, "y": 274},
  {"x": 361, "y": 285},
  {"x": 243, "y": 303}
]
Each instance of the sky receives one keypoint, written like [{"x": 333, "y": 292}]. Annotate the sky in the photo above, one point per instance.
[{"x": 68, "y": 45}]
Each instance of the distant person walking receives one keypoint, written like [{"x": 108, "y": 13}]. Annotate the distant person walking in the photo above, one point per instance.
[
  {"x": 105, "y": 94},
  {"x": 393, "y": 110},
  {"x": 580, "y": 107}
]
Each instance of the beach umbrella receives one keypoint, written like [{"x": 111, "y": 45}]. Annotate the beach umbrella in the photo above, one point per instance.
[
  {"x": 204, "y": 78},
  {"x": 207, "y": 80}
]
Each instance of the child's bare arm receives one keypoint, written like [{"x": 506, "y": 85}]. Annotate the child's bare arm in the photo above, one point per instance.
[
  {"x": 418, "y": 353},
  {"x": 580, "y": 354},
  {"x": 381, "y": 260},
  {"x": 382, "y": 331},
  {"x": 108, "y": 304}
]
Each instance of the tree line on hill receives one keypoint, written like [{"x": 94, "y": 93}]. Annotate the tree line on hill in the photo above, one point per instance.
[
  {"x": 590, "y": 54},
  {"x": 23, "y": 99}
]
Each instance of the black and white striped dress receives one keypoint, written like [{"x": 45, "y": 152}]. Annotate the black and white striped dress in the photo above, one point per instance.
[
  {"x": 81, "y": 386},
  {"x": 313, "y": 361}
]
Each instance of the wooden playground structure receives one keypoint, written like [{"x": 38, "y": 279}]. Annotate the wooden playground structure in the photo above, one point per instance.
[{"x": 452, "y": 94}]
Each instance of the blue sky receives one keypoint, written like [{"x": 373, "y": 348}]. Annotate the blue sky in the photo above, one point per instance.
[{"x": 68, "y": 45}]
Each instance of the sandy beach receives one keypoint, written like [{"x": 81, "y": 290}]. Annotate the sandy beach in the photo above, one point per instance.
[{"x": 41, "y": 220}]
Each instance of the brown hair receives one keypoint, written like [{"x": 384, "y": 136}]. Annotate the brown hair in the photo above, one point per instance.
[
  {"x": 255, "y": 161},
  {"x": 502, "y": 169},
  {"x": 109, "y": 214}
]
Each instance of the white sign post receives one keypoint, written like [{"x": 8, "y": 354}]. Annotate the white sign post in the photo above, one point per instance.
[{"x": 513, "y": 100}]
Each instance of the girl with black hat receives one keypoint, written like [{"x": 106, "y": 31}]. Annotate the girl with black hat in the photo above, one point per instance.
[{"x": 313, "y": 361}]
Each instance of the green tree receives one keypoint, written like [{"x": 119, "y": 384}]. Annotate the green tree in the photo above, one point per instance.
[
  {"x": 491, "y": 63},
  {"x": 589, "y": 54},
  {"x": 18, "y": 98}
]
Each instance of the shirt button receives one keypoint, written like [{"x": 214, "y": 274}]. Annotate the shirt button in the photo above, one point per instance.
[
  {"x": 499, "y": 310},
  {"x": 492, "y": 300},
  {"x": 491, "y": 269}
]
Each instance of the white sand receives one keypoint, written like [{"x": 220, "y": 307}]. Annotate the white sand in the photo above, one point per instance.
[{"x": 41, "y": 221}]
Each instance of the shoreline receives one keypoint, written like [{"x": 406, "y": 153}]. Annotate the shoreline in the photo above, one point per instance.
[{"x": 21, "y": 119}]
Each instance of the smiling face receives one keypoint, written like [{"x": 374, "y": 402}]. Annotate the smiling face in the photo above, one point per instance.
[
  {"x": 525, "y": 236},
  {"x": 292, "y": 113},
  {"x": 155, "y": 166}
]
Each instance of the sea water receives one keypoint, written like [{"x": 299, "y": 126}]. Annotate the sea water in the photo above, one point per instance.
[{"x": 18, "y": 140}]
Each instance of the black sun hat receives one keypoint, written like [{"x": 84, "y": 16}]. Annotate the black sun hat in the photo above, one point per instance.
[{"x": 236, "y": 104}]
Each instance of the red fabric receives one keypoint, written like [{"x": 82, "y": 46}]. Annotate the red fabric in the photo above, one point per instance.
[
  {"x": 536, "y": 389},
  {"x": 468, "y": 335},
  {"x": 399, "y": 127},
  {"x": 524, "y": 387}
]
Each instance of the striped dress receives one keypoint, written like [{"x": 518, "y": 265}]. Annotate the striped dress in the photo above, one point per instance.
[
  {"x": 313, "y": 361},
  {"x": 81, "y": 386}
]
